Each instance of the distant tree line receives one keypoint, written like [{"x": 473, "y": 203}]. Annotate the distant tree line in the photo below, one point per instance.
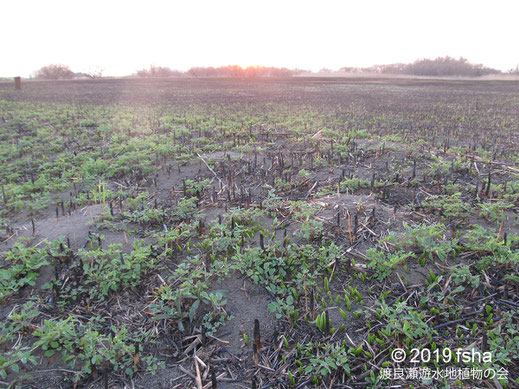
[
  {"x": 439, "y": 67},
  {"x": 63, "y": 72},
  {"x": 221, "y": 71},
  {"x": 158, "y": 72}
]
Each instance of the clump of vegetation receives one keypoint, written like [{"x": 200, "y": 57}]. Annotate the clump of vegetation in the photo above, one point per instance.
[{"x": 22, "y": 265}]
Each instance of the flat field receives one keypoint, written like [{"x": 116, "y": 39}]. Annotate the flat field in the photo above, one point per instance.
[{"x": 284, "y": 233}]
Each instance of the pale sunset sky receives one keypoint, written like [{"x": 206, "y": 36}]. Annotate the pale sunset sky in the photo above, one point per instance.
[{"x": 124, "y": 36}]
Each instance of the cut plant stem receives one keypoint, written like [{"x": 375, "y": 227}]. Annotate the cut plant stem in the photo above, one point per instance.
[
  {"x": 214, "y": 385},
  {"x": 488, "y": 183},
  {"x": 355, "y": 227},
  {"x": 257, "y": 342},
  {"x": 262, "y": 244},
  {"x": 327, "y": 322}
]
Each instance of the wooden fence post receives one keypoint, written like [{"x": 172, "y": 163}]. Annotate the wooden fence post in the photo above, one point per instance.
[{"x": 18, "y": 83}]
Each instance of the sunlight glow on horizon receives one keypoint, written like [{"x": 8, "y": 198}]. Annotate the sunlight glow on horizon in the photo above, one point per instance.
[{"x": 122, "y": 37}]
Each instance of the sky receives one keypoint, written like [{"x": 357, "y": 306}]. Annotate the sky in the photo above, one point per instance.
[{"x": 121, "y": 37}]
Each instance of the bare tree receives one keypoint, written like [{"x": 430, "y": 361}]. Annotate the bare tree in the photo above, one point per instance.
[
  {"x": 96, "y": 72},
  {"x": 514, "y": 71}
]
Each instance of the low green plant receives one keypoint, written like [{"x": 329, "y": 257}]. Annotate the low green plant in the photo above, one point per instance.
[
  {"x": 451, "y": 206},
  {"x": 108, "y": 270},
  {"x": 462, "y": 275},
  {"x": 326, "y": 359},
  {"x": 305, "y": 212},
  {"x": 384, "y": 263},
  {"x": 404, "y": 320},
  {"x": 196, "y": 188},
  {"x": 22, "y": 268},
  {"x": 494, "y": 211},
  {"x": 323, "y": 322},
  {"x": 429, "y": 241}
]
